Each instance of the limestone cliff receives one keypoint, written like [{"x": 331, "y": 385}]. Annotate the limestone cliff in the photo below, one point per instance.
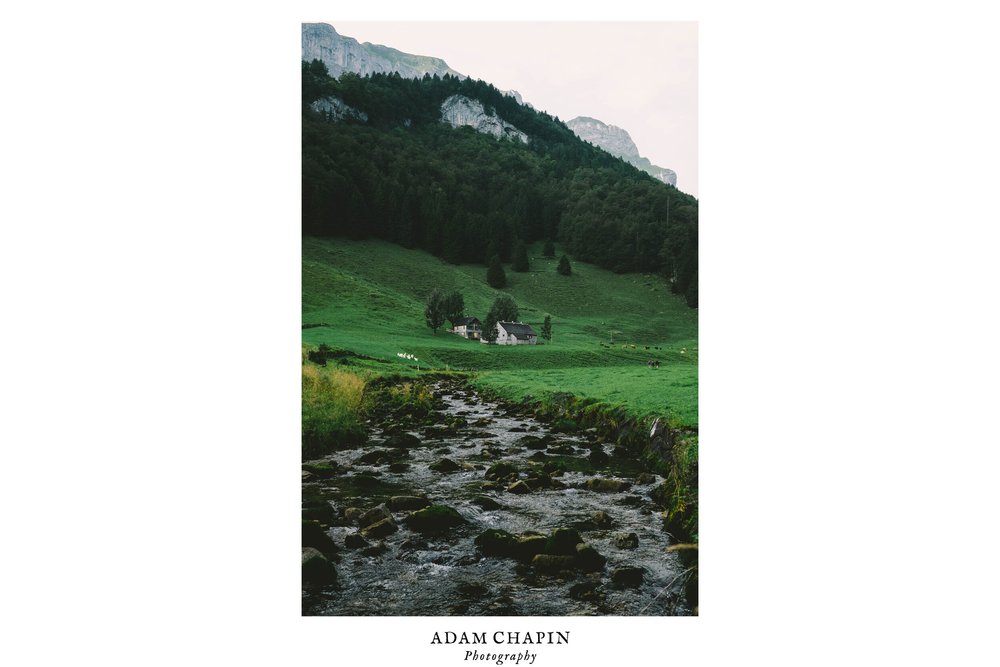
[
  {"x": 344, "y": 54},
  {"x": 335, "y": 109},
  {"x": 617, "y": 141},
  {"x": 459, "y": 110}
]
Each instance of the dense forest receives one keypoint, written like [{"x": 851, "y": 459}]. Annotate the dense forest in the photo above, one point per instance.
[{"x": 404, "y": 176}]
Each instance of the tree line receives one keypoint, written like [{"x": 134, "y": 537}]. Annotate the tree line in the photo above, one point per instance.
[{"x": 464, "y": 196}]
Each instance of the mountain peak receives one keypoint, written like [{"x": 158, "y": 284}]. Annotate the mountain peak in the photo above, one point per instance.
[
  {"x": 618, "y": 142},
  {"x": 320, "y": 41}
]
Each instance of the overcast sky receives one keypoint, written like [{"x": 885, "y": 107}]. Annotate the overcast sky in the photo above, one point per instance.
[{"x": 642, "y": 77}]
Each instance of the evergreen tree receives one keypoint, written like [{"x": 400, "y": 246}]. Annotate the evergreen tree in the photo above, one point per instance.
[
  {"x": 549, "y": 250},
  {"x": 520, "y": 257},
  {"x": 490, "y": 328},
  {"x": 504, "y": 309},
  {"x": 564, "y": 267},
  {"x": 454, "y": 307},
  {"x": 434, "y": 311},
  {"x": 495, "y": 275},
  {"x": 547, "y": 328}
]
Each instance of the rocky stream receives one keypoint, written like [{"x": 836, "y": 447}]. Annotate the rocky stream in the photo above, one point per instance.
[{"x": 485, "y": 510}]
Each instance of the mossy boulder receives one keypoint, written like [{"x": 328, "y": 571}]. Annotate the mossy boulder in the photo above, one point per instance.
[
  {"x": 374, "y": 515},
  {"x": 627, "y": 577},
  {"x": 445, "y": 466},
  {"x": 319, "y": 510},
  {"x": 380, "y": 528},
  {"x": 588, "y": 559},
  {"x": 500, "y": 470},
  {"x": 316, "y": 569},
  {"x": 501, "y": 544},
  {"x": 314, "y": 536},
  {"x": 627, "y": 541},
  {"x": 495, "y": 542},
  {"x": 519, "y": 487},
  {"x": 322, "y": 470},
  {"x": 552, "y": 563},
  {"x": 532, "y": 442},
  {"x": 434, "y": 519},
  {"x": 562, "y": 542},
  {"x": 486, "y": 503},
  {"x": 355, "y": 541}
]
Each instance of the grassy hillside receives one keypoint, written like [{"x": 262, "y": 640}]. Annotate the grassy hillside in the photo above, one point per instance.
[{"x": 368, "y": 297}]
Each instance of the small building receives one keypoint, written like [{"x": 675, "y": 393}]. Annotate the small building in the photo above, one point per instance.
[
  {"x": 468, "y": 327},
  {"x": 514, "y": 333}
]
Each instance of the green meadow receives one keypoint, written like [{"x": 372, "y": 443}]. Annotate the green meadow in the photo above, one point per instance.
[{"x": 367, "y": 297}]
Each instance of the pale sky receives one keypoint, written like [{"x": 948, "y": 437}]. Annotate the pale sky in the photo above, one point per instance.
[{"x": 641, "y": 76}]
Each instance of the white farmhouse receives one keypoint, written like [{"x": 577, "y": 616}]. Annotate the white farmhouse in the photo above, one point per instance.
[
  {"x": 468, "y": 327},
  {"x": 514, "y": 333}
]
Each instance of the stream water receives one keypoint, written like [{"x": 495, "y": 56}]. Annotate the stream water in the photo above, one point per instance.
[{"x": 409, "y": 573}]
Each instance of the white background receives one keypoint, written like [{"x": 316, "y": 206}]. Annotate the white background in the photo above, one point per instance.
[{"x": 150, "y": 273}]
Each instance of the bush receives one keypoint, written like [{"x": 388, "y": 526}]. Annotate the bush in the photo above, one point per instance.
[{"x": 564, "y": 267}]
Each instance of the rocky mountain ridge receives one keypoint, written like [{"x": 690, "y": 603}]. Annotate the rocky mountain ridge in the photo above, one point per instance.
[
  {"x": 618, "y": 142},
  {"x": 320, "y": 41}
]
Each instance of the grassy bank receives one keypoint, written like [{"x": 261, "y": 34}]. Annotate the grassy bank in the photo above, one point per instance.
[{"x": 367, "y": 298}]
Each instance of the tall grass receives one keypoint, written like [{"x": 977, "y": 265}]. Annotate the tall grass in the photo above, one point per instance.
[{"x": 331, "y": 400}]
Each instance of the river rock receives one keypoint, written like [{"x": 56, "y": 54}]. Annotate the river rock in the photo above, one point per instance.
[
  {"x": 495, "y": 542},
  {"x": 319, "y": 510},
  {"x": 532, "y": 442},
  {"x": 380, "y": 528},
  {"x": 588, "y": 591},
  {"x": 602, "y": 519},
  {"x": 501, "y": 544},
  {"x": 376, "y": 549},
  {"x": 564, "y": 449},
  {"x": 402, "y": 440},
  {"x": 314, "y": 536},
  {"x": 407, "y": 503},
  {"x": 374, "y": 515},
  {"x": 380, "y": 456},
  {"x": 538, "y": 456},
  {"x": 562, "y": 542},
  {"x": 413, "y": 544},
  {"x": 487, "y": 503},
  {"x": 602, "y": 485},
  {"x": 316, "y": 569},
  {"x": 434, "y": 519},
  {"x": 519, "y": 487},
  {"x": 445, "y": 466},
  {"x": 551, "y": 563},
  {"x": 627, "y": 577},
  {"x": 355, "y": 541},
  {"x": 500, "y": 470},
  {"x": 645, "y": 478},
  {"x": 399, "y": 467},
  {"x": 322, "y": 470},
  {"x": 627, "y": 541},
  {"x": 476, "y": 590},
  {"x": 597, "y": 457},
  {"x": 352, "y": 514},
  {"x": 588, "y": 560}
]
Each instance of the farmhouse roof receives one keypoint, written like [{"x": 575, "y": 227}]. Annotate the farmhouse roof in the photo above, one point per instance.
[
  {"x": 466, "y": 321},
  {"x": 517, "y": 329}
]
